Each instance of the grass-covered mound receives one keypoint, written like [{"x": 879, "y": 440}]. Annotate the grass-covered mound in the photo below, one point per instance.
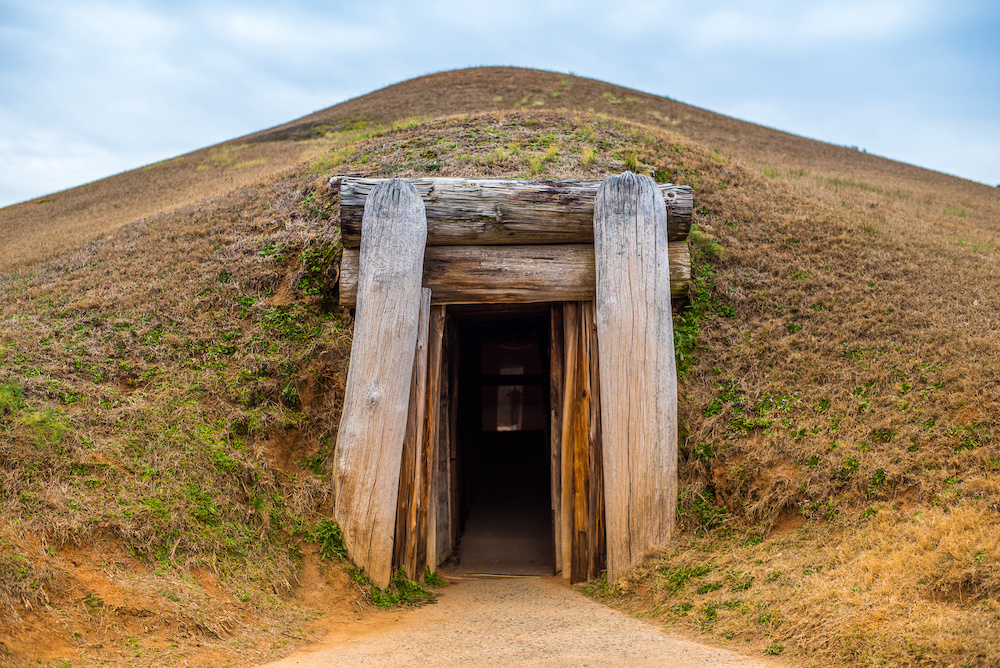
[
  {"x": 168, "y": 397},
  {"x": 839, "y": 439},
  {"x": 170, "y": 394}
]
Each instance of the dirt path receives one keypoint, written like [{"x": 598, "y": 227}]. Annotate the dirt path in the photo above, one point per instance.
[{"x": 514, "y": 622}]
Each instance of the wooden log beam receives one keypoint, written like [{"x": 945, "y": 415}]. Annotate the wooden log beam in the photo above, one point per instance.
[
  {"x": 511, "y": 274},
  {"x": 497, "y": 212},
  {"x": 373, "y": 423},
  {"x": 638, "y": 392}
]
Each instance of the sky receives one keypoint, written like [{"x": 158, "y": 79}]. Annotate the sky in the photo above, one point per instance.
[{"x": 90, "y": 89}]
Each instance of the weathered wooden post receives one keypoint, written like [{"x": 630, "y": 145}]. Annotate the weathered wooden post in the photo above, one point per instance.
[
  {"x": 638, "y": 375},
  {"x": 412, "y": 476},
  {"x": 373, "y": 424}
]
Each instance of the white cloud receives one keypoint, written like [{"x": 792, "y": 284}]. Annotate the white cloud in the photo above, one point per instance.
[
  {"x": 289, "y": 35},
  {"x": 133, "y": 82},
  {"x": 807, "y": 27},
  {"x": 30, "y": 156}
]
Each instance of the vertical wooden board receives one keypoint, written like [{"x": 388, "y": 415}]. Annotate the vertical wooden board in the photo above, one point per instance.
[
  {"x": 404, "y": 498},
  {"x": 555, "y": 426},
  {"x": 581, "y": 501},
  {"x": 455, "y": 387},
  {"x": 571, "y": 342},
  {"x": 443, "y": 460},
  {"x": 412, "y": 475},
  {"x": 427, "y": 521},
  {"x": 596, "y": 546},
  {"x": 580, "y": 420},
  {"x": 373, "y": 423},
  {"x": 638, "y": 375}
]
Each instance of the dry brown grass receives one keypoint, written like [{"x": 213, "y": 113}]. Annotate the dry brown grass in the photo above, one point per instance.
[
  {"x": 839, "y": 381},
  {"x": 167, "y": 400},
  {"x": 46, "y": 227},
  {"x": 838, "y": 409},
  {"x": 907, "y": 588}
]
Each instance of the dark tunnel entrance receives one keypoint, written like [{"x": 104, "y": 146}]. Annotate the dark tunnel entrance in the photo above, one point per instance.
[{"x": 503, "y": 440}]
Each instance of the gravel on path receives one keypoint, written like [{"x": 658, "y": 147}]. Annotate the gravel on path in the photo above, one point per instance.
[{"x": 525, "y": 621}]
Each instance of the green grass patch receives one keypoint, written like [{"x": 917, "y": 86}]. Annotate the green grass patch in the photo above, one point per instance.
[
  {"x": 400, "y": 591},
  {"x": 330, "y": 539},
  {"x": 676, "y": 578}
]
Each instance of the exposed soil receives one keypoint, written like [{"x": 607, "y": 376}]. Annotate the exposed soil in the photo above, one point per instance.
[
  {"x": 527, "y": 621},
  {"x": 111, "y": 609}
]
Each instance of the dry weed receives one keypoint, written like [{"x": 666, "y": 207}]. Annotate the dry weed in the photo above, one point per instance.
[{"x": 174, "y": 384}]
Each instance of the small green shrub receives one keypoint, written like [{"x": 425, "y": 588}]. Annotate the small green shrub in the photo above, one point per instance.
[
  {"x": 536, "y": 163},
  {"x": 708, "y": 515},
  {"x": 401, "y": 589},
  {"x": 330, "y": 538},
  {"x": 431, "y": 578}
]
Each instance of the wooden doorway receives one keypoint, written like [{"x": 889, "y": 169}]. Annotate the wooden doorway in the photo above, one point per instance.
[
  {"x": 600, "y": 265},
  {"x": 503, "y": 439}
]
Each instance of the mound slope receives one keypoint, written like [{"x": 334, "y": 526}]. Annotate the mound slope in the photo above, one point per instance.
[
  {"x": 48, "y": 226},
  {"x": 169, "y": 393}
]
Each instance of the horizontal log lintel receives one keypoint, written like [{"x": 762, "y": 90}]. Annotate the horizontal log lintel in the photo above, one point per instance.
[
  {"x": 504, "y": 211},
  {"x": 512, "y": 274}
]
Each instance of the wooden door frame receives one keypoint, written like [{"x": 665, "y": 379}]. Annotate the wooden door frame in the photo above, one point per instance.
[{"x": 616, "y": 460}]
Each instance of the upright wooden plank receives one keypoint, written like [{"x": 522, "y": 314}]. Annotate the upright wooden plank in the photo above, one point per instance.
[
  {"x": 596, "y": 537},
  {"x": 581, "y": 444},
  {"x": 504, "y": 211},
  {"x": 427, "y": 549},
  {"x": 373, "y": 423},
  {"x": 556, "y": 364},
  {"x": 638, "y": 374},
  {"x": 512, "y": 274},
  {"x": 443, "y": 462},
  {"x": 571, "y": 343},
  {"x": 412, "y": 474},
  {"x": 455, "y": 387},
  {"x": 579, "y": 419}
]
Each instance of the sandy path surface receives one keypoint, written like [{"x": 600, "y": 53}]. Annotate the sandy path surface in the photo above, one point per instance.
[{"x": 514, "y": 622}]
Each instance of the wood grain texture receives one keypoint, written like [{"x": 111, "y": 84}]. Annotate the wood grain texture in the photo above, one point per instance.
[
  {"x": 581, "y": 502},
  {"x": 370, "y": 438},
  {"x": 638, "y": 374},
  {"x": 571, "y": 345},
  {"x": 504, "y": 211},
  {"x": 412, "y": 475},
  {"x": 427, "y": 553},
  {"x": 512, "y": 274},
  {"x": 596, "y": 529},
  {"x": 578, "y": 445},
  {"x": 556, "y": 363},
  {"x": 443, "y": 533}
]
